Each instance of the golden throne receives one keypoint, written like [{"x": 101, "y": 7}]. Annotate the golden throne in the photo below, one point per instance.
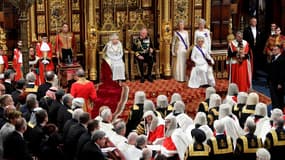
[
  {"x": 131, "y": 34},
  {"x": 106, "y": 31}
]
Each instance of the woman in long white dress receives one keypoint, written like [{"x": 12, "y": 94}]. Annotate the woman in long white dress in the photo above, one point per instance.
[
  {"x": 180, "y": 46},
  {"x": 114, "y": 57},
  {"x": 203, "y": 32},
  {"x": 202, "y": 73}
]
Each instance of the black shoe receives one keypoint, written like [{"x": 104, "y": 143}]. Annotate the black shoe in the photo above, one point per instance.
[
  {"x": 142, "y": 80},
  {"x": 149, "y": 78}
]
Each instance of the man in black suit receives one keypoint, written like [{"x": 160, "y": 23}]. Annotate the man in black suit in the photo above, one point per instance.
[
  {"x": 253, "y": 36},
  {"x": 276, "y": 77},
  {"x": 9, "y": 76},
  {"x": 64, "y": 113},
  {"x": 93, "y": 148},
  {"x": 74, "y": 133},
  {"x": 15, "y": 147},
  {"x": 55, "y": 105},
  {"x": 44, "y": 87},
  {"x": 93, "y": 125},
  {"x": 18, "y": 94}
]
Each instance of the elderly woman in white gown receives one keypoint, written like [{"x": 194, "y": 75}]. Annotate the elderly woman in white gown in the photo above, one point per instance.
[
  {"x": 114, "y": 57},
  {"x": 202, "y": 73},
  {"x": 180, "y": 45}
]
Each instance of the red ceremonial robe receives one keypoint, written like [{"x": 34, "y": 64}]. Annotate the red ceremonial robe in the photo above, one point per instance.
[
  {"x": 42, "y": 67},
  {"x": 17, "y": 64},
  {"x": 240, "y": 72}
]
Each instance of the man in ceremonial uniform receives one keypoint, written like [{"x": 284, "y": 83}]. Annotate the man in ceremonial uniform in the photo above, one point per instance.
[
  {"x": 248, "y": 144},
  {"x": 275, "y": 140},
  {"x": 240, "y": 66},
  {"x": 44, "y": 52},
  {"x": 18, "y": 61},
  {"x": 143, "y": 48},
  {"x": 214, "y": 104},
  {"x": 198, "y": 150},
  {"x": 66, "y": 45},
  {"x": 204, "y": 106},
  {"x": 136, "y": 112},
  {"x": 221, "y": 145}
]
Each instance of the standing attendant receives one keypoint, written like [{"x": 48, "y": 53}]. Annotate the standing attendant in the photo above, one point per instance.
[
  {"x": 18, "y": 61},
  {"x": 66, "y": 45},
  {"x": 44, "y": 52},
  {"x": 180, "y": 45},
  {"x": 203, "y": 32},
  {"x": 276, "y": 77},
  {"x": 240, "y": 66}
]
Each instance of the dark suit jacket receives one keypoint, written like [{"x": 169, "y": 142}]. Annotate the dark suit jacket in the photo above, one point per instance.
[
  {"x": 135, "y": 116},
  {"x": 53, "y": 109},
  {"x": 15, "y": 147},
  {"x": 71, "y": 140},
  {"x": 91, "y": 150},
  {"x": 67, "y": 126},
  {"x": 248, "y": 36},
  {"x": 276, "y": 73},
  {"x": 15, "y": 95},
  {"x": 84, "y": 138},
  {"x": 63, "y": 115},
  {"x": 9, "y": 87},
  {"x": 36, "y": 139},
  {"x": 43, "y": 89}
]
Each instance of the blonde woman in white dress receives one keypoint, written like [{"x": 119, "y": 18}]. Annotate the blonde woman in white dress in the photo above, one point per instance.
[
  {"x": 202, "y": 73},
  {"x": 114, "y": 57},
  {"x": 203, "y": 32},
  {"x": 180, "y": 45}
]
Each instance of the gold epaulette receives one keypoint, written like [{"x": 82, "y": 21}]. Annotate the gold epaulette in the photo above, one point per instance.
[
  {"x": 247, "y": 111},
  {"x": 194, "y": 153},
  {"x": 169, "y": 108},
  {"x": 137, "y": 53},
  {"x": 246, "y": 149},
  {"x": 227, "y": 150},
  {"x": 136, "y": 107}
]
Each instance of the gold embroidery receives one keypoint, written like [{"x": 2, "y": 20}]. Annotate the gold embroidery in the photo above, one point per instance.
[
  {"x": 169, "y": 108},
  {"x": 247, "y": 111},
  {"x": 193, "y": 153},
  {"x": 216, "y": 149},
  {"x": 205, "y": 106},
  {"x": 246, "y": 149},
  {"x": 136, "y": 107},
  {"x": 215, "y": 112},
  {"x": 276, "y": 141},
  {"x": 236, "y": 108}
]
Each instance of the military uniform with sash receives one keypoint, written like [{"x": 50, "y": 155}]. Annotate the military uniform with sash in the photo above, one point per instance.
[
  {"x": 247, "y": 146},
  {"x": 221, "y": 147},
  {"x": 141, "y": 47}
]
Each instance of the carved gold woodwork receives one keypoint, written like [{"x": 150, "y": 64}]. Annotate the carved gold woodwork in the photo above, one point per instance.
[
  {"x": 41, "y": 6},
  {"x": 166, "y": 39},
  {"x": 181, "y": 11},
  {"x": 92, "y": 45},
  {"x": 41, "y": 24},
  {"x": 3, "y": 39},
  {"x": 58, "y": 14},
  {"x": 75, "y": 23},
  {"x": 146, "y": 3},
  {"x": 75, "y": 5}
]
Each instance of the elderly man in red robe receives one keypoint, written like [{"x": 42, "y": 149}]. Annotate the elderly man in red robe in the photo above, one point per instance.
[
  {"x": 44, "y": 52},
  {"x": 18, "y": 61},
  {"x": 240, "y": 66}
]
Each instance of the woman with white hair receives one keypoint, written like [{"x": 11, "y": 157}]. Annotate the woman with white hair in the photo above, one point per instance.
[
  {"x": 202, "y": 73},
  {"x": 180, "y": 45},
  {"x": 113, "y": 56},
  {"x": 203, "y": 32}
]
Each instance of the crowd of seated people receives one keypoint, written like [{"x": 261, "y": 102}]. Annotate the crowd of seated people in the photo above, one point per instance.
[{"x": 51, "y": 124}]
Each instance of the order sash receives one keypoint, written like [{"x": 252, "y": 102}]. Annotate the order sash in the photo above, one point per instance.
[{"x": 183, "y": 41}]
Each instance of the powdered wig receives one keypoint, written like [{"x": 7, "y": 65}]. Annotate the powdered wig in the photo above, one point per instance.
[
  {"x": 262, "y": 154},
  {"x": 219, "y": 126},
  {"x": 200, "y": 118}
]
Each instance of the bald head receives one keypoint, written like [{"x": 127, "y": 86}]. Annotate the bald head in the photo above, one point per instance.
[{"x": 80, "y": 73}]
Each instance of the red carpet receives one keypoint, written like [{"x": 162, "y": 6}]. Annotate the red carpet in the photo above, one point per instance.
[{"x": 191, "y": 97}]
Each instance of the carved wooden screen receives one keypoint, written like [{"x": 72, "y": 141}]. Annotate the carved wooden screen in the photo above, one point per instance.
[
  {"x": 190, "y": 12},
  {"x": 51, "y": 14}
]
